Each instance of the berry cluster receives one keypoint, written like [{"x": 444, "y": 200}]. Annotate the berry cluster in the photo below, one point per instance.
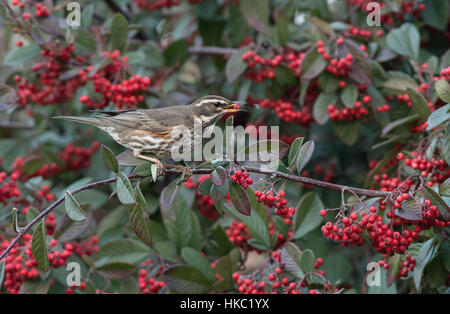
[
  {"x": 71, "y": 289},
  {"x": 445, "y": 74},
  {"x": 407, "y": 266},
  {"x": 41, "y": 10},
  {"x": 76, "y": 158},
  {"x": 46, "y": 171},
  {"x": 348, "y": 233},
  {"x": 383, "y": 108},
  {"x": 340, "y": 66},
  {"x": 148, "y": 284},
  {"x": 86, "y": 247},
  {"x": 358, "y": 32},
  {"x": 266, "y": 66},
  {"x": 286, "y": 112},
  {"x": 53, "y": 87},
  {"x": 205, "y": 204},
  {"x": 241, "y": 177},
  {"x": 347, "y": 114},
  {"x": 276, "y": 200},
  {"x": 21, "y": 266},
  {"x": 125, "y": 94},
  {"x": 147, "y": 278},
  {"x": 435, "y": 169},
  {"x": 238, "y": 234},
  {"x": 8, "y": 188},
  {"x": 321, "y": 50}
]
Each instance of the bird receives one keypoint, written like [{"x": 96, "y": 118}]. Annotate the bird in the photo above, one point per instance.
[{"x": 149, "y": 131}]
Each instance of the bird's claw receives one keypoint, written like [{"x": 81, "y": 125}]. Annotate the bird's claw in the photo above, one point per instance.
[{"x": 187, "y": 173}]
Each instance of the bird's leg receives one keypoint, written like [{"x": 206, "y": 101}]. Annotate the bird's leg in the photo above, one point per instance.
[
  {"x": 187, "y": 172},
  {"x": 157, "y": 162}
]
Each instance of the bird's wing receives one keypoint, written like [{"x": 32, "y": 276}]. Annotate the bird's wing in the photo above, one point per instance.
[{"x": 154, "y": 120}]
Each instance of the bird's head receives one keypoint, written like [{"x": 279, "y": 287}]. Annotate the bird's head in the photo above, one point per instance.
[{"x": 215, "y": 106}]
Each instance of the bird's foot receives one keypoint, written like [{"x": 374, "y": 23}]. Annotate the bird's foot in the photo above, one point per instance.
[
  {"x": 187, "y": 172},
  {"x": 159, "y": 166}
]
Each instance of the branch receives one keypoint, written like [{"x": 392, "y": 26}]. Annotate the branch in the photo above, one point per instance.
[
  {"x": 205, "y": 50},
  {"x": 327, "y": 185}
]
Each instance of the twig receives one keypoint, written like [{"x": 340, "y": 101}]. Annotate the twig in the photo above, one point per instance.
[
  {"x": 212, "y": 50},
  {"x": 300, "y": 179}
]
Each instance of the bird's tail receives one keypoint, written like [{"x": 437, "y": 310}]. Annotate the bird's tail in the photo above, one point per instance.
[{"x": 93, "y": 121}]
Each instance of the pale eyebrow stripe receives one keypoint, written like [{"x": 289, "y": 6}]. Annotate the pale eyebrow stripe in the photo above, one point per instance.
[{"x": 211, "y": 100}]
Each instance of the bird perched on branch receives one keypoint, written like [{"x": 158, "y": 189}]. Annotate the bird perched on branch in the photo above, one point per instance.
[{"x": 149, "y": 131}]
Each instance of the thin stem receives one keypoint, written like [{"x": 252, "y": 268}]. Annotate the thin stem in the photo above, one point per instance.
[{"x": 300, "y": 179}]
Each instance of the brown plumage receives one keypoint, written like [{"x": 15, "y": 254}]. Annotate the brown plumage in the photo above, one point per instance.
[{"x": 148, "y": 131}]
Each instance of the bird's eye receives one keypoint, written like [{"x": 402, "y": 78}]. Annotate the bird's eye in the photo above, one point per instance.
[{"x": 217, "y": 104}]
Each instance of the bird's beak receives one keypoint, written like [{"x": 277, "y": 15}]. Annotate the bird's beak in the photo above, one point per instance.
[{"x": 235, "y": 107}]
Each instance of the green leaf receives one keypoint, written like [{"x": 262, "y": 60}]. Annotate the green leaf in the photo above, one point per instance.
[
  {"x": 304, "y": 155},
  {"x": 405, "y": 41},
  {"x": 205, "y": 187},
  {"x": 219, "y": 176},
  {"x": 347, "y": 132},
  {"x": 169, "y": 192},
  {"x": 349, "y": 95},
  {"x": 438, "y": 117},
  {"x": 264, "y": 151},
  {"x": 140, "y": 223},
  {"x": 307, "y": 214},
  {"x": 383, "y": 162},
  {"x": 195, "y": 259},
  {"x": 419, "y": 103},
  {"x": 15, "y": 220},
  {"x": 294, "y": 150},
  {"x": 280, "y": 225},
  {"x": 69, "y": 229},
  {"x": 125, "y": 189},
  {"x": 38, "y": 246},
  {"x": 218, "y": 193},
  {"x": 85, "y": 43},
  {"x": 255, "y": 9},
  {"x": 444, "y": 189},
  {"x": 240, "y": 199},
  {"x": 425, "y": 255},
  {"x": 410, "y": 210},
  {"x": 235, "y": 66},
  {"x": 110, "y": 159},
  {"x": 307, "y": 260},
  {"x": 323, "y": 26},
  {"x": 127, "y": 250},
  {"x": 320, "y": 109},
  {"x": 73, "y": 209},
  {"x": 282, "y": 28},
  {"x": 442, "y": 88},
  {"x": 225, "y": 268},
  {"x": 436, "y": 200},
  {"x": 394, "y": 124},
  {"x": 177, "y": 52},
  {"x": 361, "y": 71},
  {"x": 2, "y": 271},
  {"x": 21, "y": 55},
  {"x": 397, "y": 85},
  {"x": 186, "y": 279},
  {"x": 290, "y": 257},
  {"x": 119, "y": 32},
  {"x": 312, "y": 65},
  {"x": 32, "y": 165},
  {"x": 167, "y": 250},
  {"x": 436, "y": 14},
  {"x": 436, "y": 273}
]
